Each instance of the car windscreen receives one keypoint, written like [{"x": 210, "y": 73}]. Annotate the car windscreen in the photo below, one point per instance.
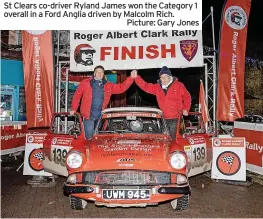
[
  {"x": 66, "y": 124},
  {"x": 131, "y": 123},
  {"x": 192, "y": 124}
]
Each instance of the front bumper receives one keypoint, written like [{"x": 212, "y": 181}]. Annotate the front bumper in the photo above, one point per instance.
[
  {"x": 175, "y": 190},
  {"x": 157, "y": 194},
  {"x": 77, "y": 189},
  {"x": 71, "y": 189}
]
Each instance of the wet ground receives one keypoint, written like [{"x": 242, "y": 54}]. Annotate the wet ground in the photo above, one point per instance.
[{"x": 209, "y": 199}]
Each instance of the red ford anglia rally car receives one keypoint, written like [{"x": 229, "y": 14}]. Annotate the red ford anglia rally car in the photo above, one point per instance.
[{"x": 131, "y": 159}]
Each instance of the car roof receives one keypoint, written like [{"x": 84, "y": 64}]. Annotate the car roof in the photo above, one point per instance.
[
  {"x": 132, "y": 109},
  {"x": 249, "y": 115}
]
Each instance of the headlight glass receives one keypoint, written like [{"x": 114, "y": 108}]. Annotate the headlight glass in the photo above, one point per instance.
[
  {"x": 178, "y": 161},
  {"x": 74, "y": 160}
]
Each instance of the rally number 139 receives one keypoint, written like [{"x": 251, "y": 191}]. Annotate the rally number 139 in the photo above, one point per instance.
[
  {"x": 59, "y": 156},
  {"x": 198, "y": 156},
  {"x": 199, "y": 153}
]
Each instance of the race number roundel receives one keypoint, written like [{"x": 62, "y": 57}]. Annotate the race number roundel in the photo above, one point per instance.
[
  {"x": 35, "y": 159},
  {"x": 228, "y": 163}
]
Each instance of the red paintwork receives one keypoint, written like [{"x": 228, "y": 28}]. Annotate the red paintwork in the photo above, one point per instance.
[
  {"x": 156, "y": 159},
  {"x": 100, "y": 153}
]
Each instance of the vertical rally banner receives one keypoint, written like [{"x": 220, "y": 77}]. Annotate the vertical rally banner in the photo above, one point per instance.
[
  {"x": 203, "y": 108},
  {"x": 38, "y": 74},
  {"x": 232, "y": 60}
]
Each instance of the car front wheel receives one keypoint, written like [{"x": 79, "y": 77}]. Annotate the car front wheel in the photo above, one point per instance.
[
  {"x": 77, "y": 203},
  {"x": 181, "y": 203}
]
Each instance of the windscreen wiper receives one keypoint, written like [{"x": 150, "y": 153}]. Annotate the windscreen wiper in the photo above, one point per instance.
[
  {"x": 126, "y": 131},
  {"x": 107, "y": 132}
]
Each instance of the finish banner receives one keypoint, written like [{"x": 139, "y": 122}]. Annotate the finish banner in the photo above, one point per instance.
[
  {"x": 231, "y": 68},
  {"x": 38, "y": 73},
  {"x": 122, "y": 50}
]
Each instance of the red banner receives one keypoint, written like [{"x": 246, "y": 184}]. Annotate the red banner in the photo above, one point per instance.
[
  {"x": 232, "y": 60},
  {"x": 254, "y": 141},
  {"x": 254, "y": 144},
  {"x": 39, "y": 77},
  {"x": 202, "y": 104},
  {"x": 13, "y": 138}
]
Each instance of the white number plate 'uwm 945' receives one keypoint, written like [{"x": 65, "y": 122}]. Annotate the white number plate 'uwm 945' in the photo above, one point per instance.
[{"x": 126, "y": 194}]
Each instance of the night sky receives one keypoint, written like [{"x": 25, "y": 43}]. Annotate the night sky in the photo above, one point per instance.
[{"x": 191, "y": 76}]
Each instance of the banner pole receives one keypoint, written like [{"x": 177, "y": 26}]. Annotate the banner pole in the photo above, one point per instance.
[
  {"x": 57, "y": 72},
  {"x": 206, "y": 85},
  {"x": 214, "y": 74}
]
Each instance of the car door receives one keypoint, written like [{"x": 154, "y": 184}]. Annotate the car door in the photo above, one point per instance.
[
  {"x": 66, "y": 131},
  {"x": 198, "y": 146}
]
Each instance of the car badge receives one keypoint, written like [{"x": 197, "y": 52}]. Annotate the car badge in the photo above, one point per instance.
[{"x": 126, "y": 160}]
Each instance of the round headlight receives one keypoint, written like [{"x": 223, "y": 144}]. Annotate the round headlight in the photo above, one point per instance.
[
  {"x": 74, "y": 160},
  {"x": 178, "y": 161}
]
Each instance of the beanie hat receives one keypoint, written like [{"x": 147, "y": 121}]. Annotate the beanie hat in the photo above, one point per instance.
[{"x": 165, "y": 70}]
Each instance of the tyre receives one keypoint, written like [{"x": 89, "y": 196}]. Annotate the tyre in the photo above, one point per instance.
[
  {"x": 181, "y": 203},
  {"x": 77, "y": 203}
]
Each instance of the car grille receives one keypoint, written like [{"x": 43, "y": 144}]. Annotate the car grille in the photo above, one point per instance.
[{"x": 126, "y": 177}]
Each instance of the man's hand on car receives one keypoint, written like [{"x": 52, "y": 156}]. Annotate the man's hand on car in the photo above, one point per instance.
[
  {"x": 72, "y": 112},
  {"x": 185, "y": 113}
]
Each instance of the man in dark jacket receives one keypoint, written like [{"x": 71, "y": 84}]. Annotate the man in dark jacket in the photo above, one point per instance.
[
  {"x": 172, "y": 97},
  {"x": 95, "y": 93}
]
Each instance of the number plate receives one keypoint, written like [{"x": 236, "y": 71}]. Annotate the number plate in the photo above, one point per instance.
[{"x": 125, "y": 194}]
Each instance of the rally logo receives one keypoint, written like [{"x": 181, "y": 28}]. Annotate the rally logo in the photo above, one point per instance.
[
  {"x": 189, "y": 48},
  {"x": 228, "y": 163},
  {"x": 83, "y": 54},
  {"x": 30, "y": 139},
  {"x": 35, "y": 159},
  {"x": 54, "y": 141},
  {"x": 236, "y": 17},
  {"x": 217, "y": 142},
  {"x": 191, "y": 141}
]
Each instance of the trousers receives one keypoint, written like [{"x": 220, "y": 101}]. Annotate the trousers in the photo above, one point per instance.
[
  {"x": 89, "y": 127},
  {"x": 172, "y": 127}
]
